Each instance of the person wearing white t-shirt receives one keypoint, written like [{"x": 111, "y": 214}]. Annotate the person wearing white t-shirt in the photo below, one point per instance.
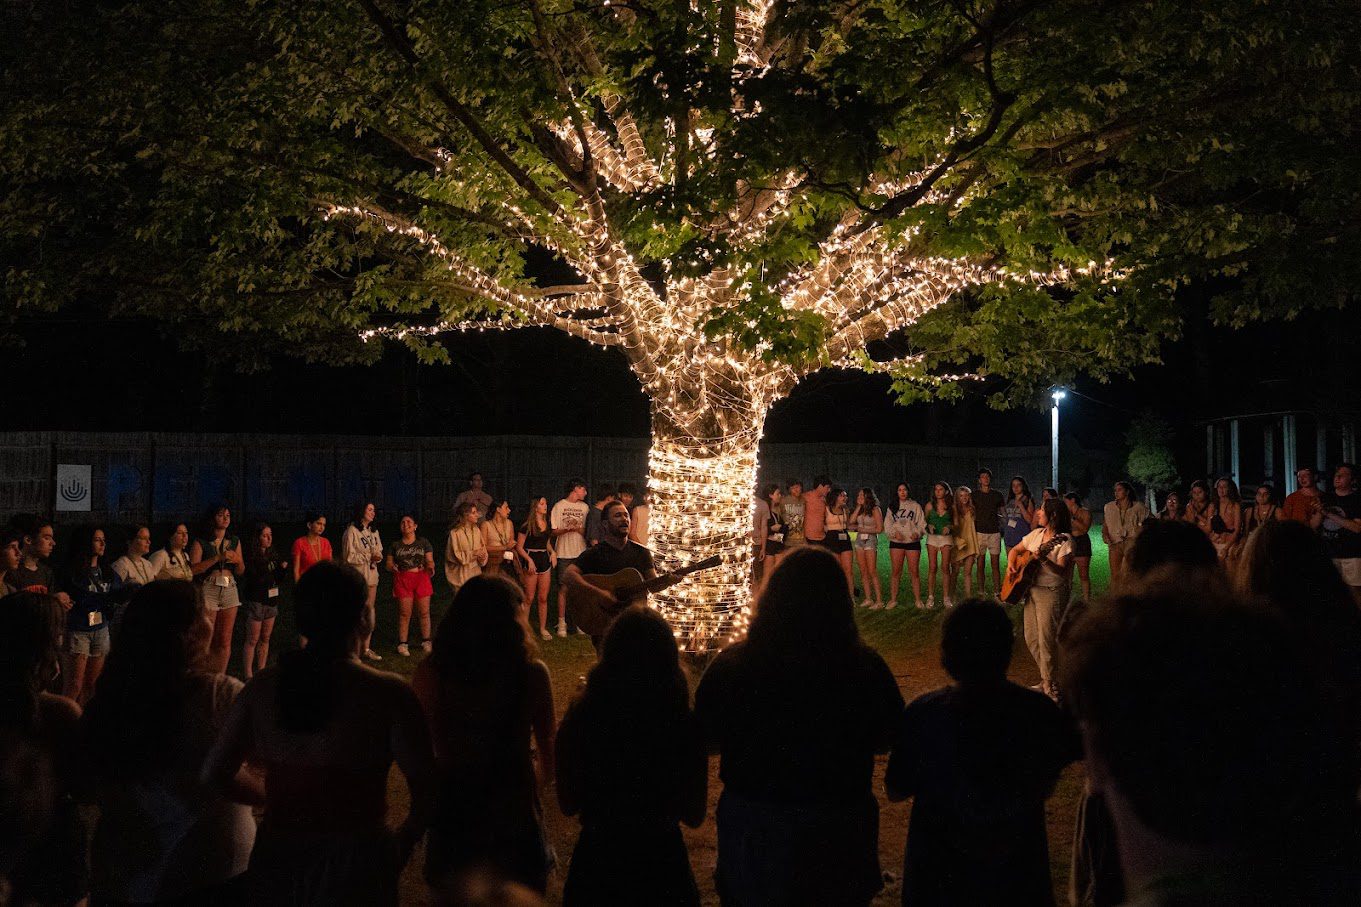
[
  {"x": 1048, "y": 595},
  {"x": 567, "y": 524},
  {"x": 133, "y": 568}
]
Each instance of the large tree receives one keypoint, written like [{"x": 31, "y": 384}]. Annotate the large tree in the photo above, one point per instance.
[{"x": 730, "y": 194}]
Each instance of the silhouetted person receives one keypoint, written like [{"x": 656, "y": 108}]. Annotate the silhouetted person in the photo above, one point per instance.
[
  {"x": 631, "y": 763},
  {"x": 484, "y": 691},
  {"x": 979, "y": 759},
  {"x": 1206, "y": 737},
  {"x": 162, "y": 833},
  {"x": 797, "y": 712},
  {"x": 1095, "y": 879},
  {"x": 39, "y": 733},
  {"x": 326, "y": 729}
]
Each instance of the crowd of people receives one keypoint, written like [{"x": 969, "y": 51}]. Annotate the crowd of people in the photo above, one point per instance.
[{"x": 1214, "y": 693}]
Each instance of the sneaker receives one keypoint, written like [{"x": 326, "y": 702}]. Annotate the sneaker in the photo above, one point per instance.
[
  {"x": 890, "y": 606},
  {"x": 562, "y": 629},
  {"x": 544, "y": 634},
  {"x": 877, "y": 606},
  {"x": 372, "y": 655},
  {"x": 866, "y": 603},
  {"x": 948, "y": 603},
  {"x": 427, "y": 645},
  {"x": 931, "y": 603},
  {"x": 403, "y": 650}
]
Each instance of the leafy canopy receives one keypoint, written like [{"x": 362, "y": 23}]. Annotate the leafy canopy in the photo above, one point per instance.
[{"x": 175, "y": 160}]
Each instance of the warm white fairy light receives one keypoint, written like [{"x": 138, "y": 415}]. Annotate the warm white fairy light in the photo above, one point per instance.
[{"x": 709, "y": 397}]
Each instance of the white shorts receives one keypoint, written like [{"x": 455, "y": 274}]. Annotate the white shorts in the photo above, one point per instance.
[
  {"x": 990, "y": 542},
  {"x": 1350, "y": 568},
  {"x": 940, "y": 541},
  {"x": 220, "y": 598}
]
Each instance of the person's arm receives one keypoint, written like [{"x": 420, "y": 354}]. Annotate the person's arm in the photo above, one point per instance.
[
  {"x": 351, "y": 552},
  {"x": 569, "y": 769},
  {"x": 458, "y": 552},
  {"x": 297, "y": 559},
  {"x": 543, "y": 720},
  {"x": 524, "y": 555},
  {"x": 574, "y": 579},
  {"x": 1315, "y": 513},
  {"x": 878, "y": 521},
  {"x": 415, "y": 758},
  {"x": 391, "y": 564},
  {"x": 235, "y": 560},
  {"x": 225, "y": 768},
  {"x": 197, "y": 564},
  {"x": 430, "y": 560},
  {"x": 557, "y": 524},
  {"x": 693, "y": 792},
  {"x": 552, "y": 553},
  {"x": 901, "y": 775}
]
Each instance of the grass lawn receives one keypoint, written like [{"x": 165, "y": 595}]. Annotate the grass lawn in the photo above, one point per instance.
[{"x": 906, "y": 637}]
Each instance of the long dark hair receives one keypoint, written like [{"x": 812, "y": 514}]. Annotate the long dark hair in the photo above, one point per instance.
[
  {"x": 805, "y": 599},
  {"x": 1025, "y": 488},
  {"x": 531, "y": 523},
  {"x": 359, "y": 511},
  {"x": 139, "y": 705},
  {"x": 483, "y": 637},
  {"x": 80, "y": 548},
  {"x": 949, "y": 499},
  {"x": 30, "y": 628},
  {"x": 208, "y": 528},
  {"x": 329, "y": 600},
  {"x": 639, "y": 681},
  {"x": 253, "y": 546},
  {"x": 1056, "y": 516}
]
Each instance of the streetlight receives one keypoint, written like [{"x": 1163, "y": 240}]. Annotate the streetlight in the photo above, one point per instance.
[{"x": 1058, "y": 394}]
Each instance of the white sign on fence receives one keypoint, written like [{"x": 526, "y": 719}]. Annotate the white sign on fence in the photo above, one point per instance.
[{"x": 74, "y": 488}]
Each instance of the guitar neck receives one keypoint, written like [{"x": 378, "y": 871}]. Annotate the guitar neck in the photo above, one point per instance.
[{"x": 657, "y": 583}]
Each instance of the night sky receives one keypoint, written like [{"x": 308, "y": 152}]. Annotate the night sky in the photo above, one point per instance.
[{"x": 96, "y": 375}]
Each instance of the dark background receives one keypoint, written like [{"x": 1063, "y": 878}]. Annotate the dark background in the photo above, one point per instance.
[{"x": 74, "y": 373}]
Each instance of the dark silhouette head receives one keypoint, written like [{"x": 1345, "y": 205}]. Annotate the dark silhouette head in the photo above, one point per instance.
[
  {"x": 483, "y": 636},
  {"x": 639, "y": 669},
  {"x": 138, "y": 705},
  {"x": 1197, "y": 709},
  {"x": 805, "y": 599},
  {"x": 329, "y": 602},
  {"x": 975, "y": 642},
  {"x": 30, "y": 630},
  {"x": 1164, "y": 543}
]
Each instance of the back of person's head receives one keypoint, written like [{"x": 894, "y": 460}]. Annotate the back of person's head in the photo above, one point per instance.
[
  {"x": 28, "y": 525},
  {"x": 28, "y": 799},
  {"x": 483, "y": 637},
  {"x": 30, "y": 632},
  {"x": 1287, "y": 563},
  {"x": 1197, "y": 710},
  {"x": 805, "y": 612},
  {"x": 329, "y": 604},
  {"x": 975, "y": 642},
  {"x": 639, "y": 665},
  {"x": 1163, "y": 543},
  {"x": 139, "y": 704}
]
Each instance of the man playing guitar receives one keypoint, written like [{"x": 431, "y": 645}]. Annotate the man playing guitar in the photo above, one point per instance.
[{"x": 615, "y": 552}]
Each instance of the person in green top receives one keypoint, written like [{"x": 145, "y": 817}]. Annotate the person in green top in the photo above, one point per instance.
[{"x": 940, "y": 518}]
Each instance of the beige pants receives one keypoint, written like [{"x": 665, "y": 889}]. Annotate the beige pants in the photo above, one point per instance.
[{"x": 1040, "y": 621}]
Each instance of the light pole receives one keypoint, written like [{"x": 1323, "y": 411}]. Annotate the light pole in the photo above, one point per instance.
[{"x": 1058, "y": 394}]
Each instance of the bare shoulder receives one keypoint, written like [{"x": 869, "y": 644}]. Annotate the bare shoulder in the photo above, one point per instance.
[{"x": 59, "y": 713}]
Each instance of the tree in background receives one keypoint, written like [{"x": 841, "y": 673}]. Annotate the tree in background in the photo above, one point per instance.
[
  {"x": 728, "y": 194},
  {"x": 1151, "y": 462}
]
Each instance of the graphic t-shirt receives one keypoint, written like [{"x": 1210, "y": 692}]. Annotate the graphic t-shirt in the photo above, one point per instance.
[
  {"x": 92, "y": 591},
  {"x": 412, "y": 556},
  {"x": 905, "y": 522},
  {"x": 572, "y": 515},
  {"x": 986, "y": 511},
  {"x": 1342, "y": 543},
  {"x": 39, "y": 579},
  {"x": 792, "y": 510}
]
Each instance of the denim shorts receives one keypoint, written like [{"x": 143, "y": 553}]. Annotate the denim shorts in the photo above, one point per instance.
[{"x": 88, "y": 642}]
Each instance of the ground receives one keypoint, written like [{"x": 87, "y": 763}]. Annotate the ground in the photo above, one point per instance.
[{"x": 906, "y": 637}]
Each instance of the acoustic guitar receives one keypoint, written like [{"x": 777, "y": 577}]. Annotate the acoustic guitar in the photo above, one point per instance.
[
  {"x": 628, "y": 587},
  {"x": 1023, "y": 565}
]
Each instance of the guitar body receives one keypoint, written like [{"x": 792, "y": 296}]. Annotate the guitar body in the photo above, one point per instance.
[
  {"x": 588, "y": 613},
  {"x": 1022, "y": 565}
]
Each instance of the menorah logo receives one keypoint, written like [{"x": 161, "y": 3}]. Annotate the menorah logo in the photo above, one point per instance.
[
  {"x": 73, "y": 487},
  {"x": 73, "y": 490}
]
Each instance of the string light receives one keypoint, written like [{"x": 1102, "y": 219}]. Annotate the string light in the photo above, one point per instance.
[{"x": 709, "y": 397}]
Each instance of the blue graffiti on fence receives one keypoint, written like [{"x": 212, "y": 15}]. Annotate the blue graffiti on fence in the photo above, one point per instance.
[{"x": 124, "y": 489}]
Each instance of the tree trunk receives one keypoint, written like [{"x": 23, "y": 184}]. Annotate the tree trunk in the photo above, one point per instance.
[{"x": 701, "y": 492}]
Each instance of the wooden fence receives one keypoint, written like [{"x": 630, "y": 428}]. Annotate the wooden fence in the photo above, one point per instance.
[{"x": 164, "y": 477}]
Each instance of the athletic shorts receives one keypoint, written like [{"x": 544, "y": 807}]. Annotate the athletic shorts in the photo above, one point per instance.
[
  {"x": 990, "y": 542},
  {"x": 261, "y": 611},
  {"x": 838, "y": 541},
  {"x": 542, "y": 562},
  {"x": 220, "y": 598},
  {"x": 88, "y": 642},
  {"x": 412, "y": 584},
  {"x": 1350, "y": 568},
  {"x": 905, "y": 546}
]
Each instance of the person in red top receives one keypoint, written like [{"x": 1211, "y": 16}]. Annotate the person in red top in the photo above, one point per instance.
[
  {"x": 1304, "y": 506},
  {"x": 312, "y": 548},
  {"x": 815, "y": 511}
]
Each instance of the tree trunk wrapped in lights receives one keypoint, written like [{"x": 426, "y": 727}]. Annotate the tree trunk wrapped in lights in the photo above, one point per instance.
[{"x": 729, "y": 194}]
